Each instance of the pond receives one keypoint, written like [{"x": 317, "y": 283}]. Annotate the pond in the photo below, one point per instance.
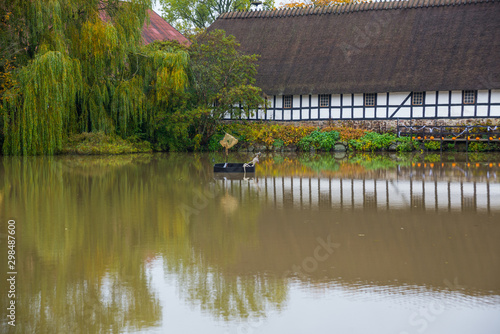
[{"x": 157, "y": 243}]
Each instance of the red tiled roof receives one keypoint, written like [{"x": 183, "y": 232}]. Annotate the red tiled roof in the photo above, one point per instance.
[{"x": 159, "y": 29}]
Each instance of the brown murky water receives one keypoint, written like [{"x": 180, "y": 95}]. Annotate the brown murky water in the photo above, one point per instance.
[{"x": 308, "y": 244}]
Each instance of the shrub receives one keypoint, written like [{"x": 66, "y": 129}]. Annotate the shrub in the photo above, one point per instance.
[
  {"x": 319, "y": 140},
  {"x": 406, "y": 144},
  {"x": 214, "y": 142},
  {"x": 432, "y": 145},
  {"x": 373, "y": 141},
  {"x": 478, "y": 147}
]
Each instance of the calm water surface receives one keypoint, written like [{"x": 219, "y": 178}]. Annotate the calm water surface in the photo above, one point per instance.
[{"x": 308, "y": 244}]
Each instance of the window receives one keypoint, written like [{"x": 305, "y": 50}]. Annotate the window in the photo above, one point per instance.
[
  {"x": 469, "y": 96},
  {"x": 370, "y": 99},
  {"x": 417, "y": 98},
  {"x": 287, "y": 101},
  {"x": 324, "y": 100}
]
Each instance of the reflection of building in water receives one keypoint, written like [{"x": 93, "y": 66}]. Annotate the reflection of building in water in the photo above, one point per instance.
[{"x": 410, "y": 193}]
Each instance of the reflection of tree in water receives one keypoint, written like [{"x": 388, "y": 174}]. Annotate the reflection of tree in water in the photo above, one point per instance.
[
  {"x": 218, "y": 236},
  {"x": 79, "y": 262},
  {"x": 88, "y": 226},
  {"x": 229, "y": 297}
]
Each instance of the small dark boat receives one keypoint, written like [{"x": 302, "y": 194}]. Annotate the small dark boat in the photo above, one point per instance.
[
  {"x": 231, "y": 167},
  {"x": 234, "y": 176}
]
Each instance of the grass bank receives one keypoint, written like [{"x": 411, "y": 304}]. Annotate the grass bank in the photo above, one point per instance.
[{"x": 100, "y": 143}]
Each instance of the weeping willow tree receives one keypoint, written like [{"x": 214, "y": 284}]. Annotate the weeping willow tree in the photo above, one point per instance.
[
  {"x": 43, "y": 106},
  {"x": 82, "y": 67}
]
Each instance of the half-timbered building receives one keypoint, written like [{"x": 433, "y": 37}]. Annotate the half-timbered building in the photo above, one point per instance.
[{"x": 411, "y": 59}]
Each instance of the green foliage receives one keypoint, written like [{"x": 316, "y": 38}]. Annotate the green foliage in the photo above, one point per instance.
[
  {"x": 319, "y": 140},
  {"x": 278, "y": 143},
  {"x": 185, "y": 15},
  {"x": 42, "y": 108},
  {"x": 319, "y": 162},
  {"x": 373, "y": 141},
  {"x": 214, "y": 142},
  {"x": 100, "y": 143},
  {"x": 406, "y": 144},
  {"x": 432, "y": 157},
  {"x": 81, "y": 67},
  {"x": 432, "y": 145},
  {"x": 266, "y": 134},
  {"x": 374, "y": 162},
  {"x": 478, "y": 146},
  {"x": 222, "y": 76},
  {"x": 180, "y": 130}
]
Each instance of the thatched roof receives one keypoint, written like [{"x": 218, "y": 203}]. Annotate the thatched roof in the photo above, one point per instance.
[{"x": 394, "y": 46}]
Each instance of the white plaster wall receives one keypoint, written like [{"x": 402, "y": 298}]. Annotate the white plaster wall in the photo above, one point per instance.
[
  {"x": 278, "y": 115},
  {"x": 314, "y": 113},
  {"x": 279, "y": 101},
  {"x": 324, "y": 113},
  {"x": 347, "y": 100},
  {"x": 381, "y": 99},
  {"x": 404, "y": 112},
  {"x": 398, "y": 98},
  {"x": 314, "y": 100},
  {"x": 270, "y": 102},
  {"x": 370, "y": 112},
  {"x": 482, "y": 96},
  {"x": 430, "y": 112},
  {"x": 287, "y": 114},
  {"x": 418, "y": 111},
  {"x": 482, "y": 111},
  {"x": 430, "y": 98},
  {"x": 495, "y": 111},
  {"x": 456, "y": 111},
  {"x": 358, "y": 113},
  {"x": 335, "y": 100},
  {"x": 442, "y": 111},
  {"x": 296, "y": 101},
  {"x": 456, "y": 96},
  {"x": 495, "y": 96},
  {"x": 358, "y": 100},
  {"x": 346, "y": 114},
  {"x": 469, "y": 111},
  {"x": 305, "y": 100},
  {"x": 443, "y": 98}
]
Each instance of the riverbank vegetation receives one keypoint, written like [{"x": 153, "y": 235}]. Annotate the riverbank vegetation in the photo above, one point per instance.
[{"x": 341, "y": 136}]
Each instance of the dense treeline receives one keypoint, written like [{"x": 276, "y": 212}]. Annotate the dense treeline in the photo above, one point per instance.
[{"x": 77, "y": 66}]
